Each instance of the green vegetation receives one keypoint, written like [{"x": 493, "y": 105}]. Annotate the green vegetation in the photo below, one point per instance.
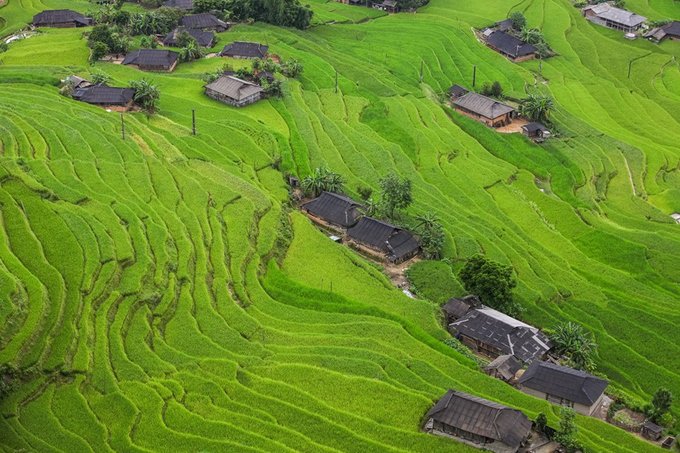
[
  {"x": 492, "y": 282},
  {"x": 434, "y": 281},
  {"x": 395, "y": 194},
  {"x": 167, "y": 299},
  {"x": 321, "y": 180},
  {"x": 576, "y": 344}
]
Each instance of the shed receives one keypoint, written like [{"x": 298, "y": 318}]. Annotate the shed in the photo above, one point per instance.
[
  {"x": 204, "y": 21},
  {"x": 333, "y": 209},
  {"x": 105, "y": 95},
  {"x": 492, "y": 333},
  {"x": 652, "y": 431},
  {"x": 203, "y": 38},
  {"x": 77, "y": 82},
  {"x": 241, "y": 49},
  {"x": 396, "y": 244},
  {"x": 479, "y": 422},
  {"x": 61, "y": 18},
  {"x": 457, "y": 91},
  {"x": 152, "y": 59},
  {"x": 669, "y": 31},
  {"x": 563, "y": 385},
  {"x": 184, "y": 5},
  {"x": 484, "y": 109},
  {"x": 504, "y": 367},
  {"x": 510, "y": 46},
  {"x": 608, "y": 15},
  {"x": 455, "y": 308},
  {"x": 536, "y": 130},
  {"x": 234, "y": 91}
]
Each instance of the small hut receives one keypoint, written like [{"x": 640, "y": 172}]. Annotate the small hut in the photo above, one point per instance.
[
  {"x": 651, "y": 431},
  {"x": 504, "y": 367}
]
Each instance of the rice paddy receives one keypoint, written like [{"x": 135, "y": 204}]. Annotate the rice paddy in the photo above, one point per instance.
[{"x": 162, "y": 295}]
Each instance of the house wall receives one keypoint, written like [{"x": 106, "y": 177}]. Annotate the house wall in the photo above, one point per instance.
[
  {"x": 482, "y": 348},
  {"x": 227, "y": 100},
  {"x": 492, "y": 122},
  {"x": 580, "y": 408}
]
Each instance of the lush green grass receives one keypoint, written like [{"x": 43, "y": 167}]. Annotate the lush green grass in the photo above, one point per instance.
[{"x": 137, "y": 277}]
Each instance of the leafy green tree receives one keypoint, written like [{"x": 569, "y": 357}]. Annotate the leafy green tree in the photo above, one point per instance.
[
  {"x": 371, "y": 207},
  {"x": 494, "y": 89},
  {"x": 365, "y": 192},
  {"x": 492, "y": 282},
  {"x": 531, "y": 35},
  {"x": 518, "y": 20},
  {"x": 292, "y": 68},
  {"x": 148, "y": 42},
  {"x": 431, "y": 235},
  {"x": 3, "y": 47},
  {"x": 573, "y": 341},
  {"x": 273, "y": 88},
  {"x": 661, "y": 403},
  {"x": 566, "y": 434},
  {"x": 146, "y": 94},
  {"x": 99, "y": 51},
  {"x": 321, "y": 179},
  {"x": 537, "y": 107},
  {"x": 99, "y": 78},
  {"x": 541, "y": 422},
  {"x": 395, "y": 194}
]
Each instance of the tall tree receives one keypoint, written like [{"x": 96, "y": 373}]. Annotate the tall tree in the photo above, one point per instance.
[
  {"x": 537, "y": 107},
  {"x": 661, "y": 403},
  {"x": 518, "y": 20},
  {"x": 574, "y": 342},
  {"x": 321, "y": 179},
  {"x": 395, "y": 194},
  {"x": 431, "y": 235},
  {"x": 492, "y": 282},
  {"x": 146, "y": 94}
]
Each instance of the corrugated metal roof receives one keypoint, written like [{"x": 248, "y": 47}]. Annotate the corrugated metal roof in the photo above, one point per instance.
[
  {"x": 234, "y": 88},
  {"x": 482, "y": 105},
  {"x": 203, "y": 20},
  {"x": 509, "y": 44}
]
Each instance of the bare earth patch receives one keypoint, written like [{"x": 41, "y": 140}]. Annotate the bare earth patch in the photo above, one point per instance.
[{"x": 514, "y": 127}]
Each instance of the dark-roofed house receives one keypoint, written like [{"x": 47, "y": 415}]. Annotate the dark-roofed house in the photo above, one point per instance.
[
  {"x": 457, "y": 91},
  {"x": 394, "y": 243},
  {"x": 152, "y": 59},
  {"x": 536, "y": 131},
  {"x": 651, "y": 430},
  {"x": 184, "y": 5},
  {"x": 389, "y": 6},
  {"x": 563, "y": 385},
  {"x": 486, "y": 110},
  {"x": 203, "y": 38},
  {"x": 456, "y": 308},
  {"x": 478, "y": 422},
  {"x": 608, "y": 15},
  {"x": 669, "y": 31},
  {"x": 77, "y": 82},
  {"x": 503, "y": 367},
  {"x": 204, "y": 21},
  {"x": 61, "y": 18},
  {"x": 234, "y": 91},
  {"x": 333, "y": 209},
  {"x": 240, "y": 49},
  {"x": 492, "y": 333},
  {"x": 510, "y": 46},
  {"x": 103, "y": 95},
  {"x": 504, "y": 25}
]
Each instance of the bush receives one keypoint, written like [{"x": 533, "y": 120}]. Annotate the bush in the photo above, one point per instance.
[
  {"x": 364, "y": 192},
  {"x": 434, "y": 281},
  {"x": 492, "y": 282},
  {"x": 518, "y": 20},
  {"x": 494, "y": 89},
  {"x": 3, "y": 47}
]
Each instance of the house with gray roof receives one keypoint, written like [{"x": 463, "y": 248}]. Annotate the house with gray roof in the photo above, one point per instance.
[
  {"x": 184, "y": 5},
  {"x": 202, "y": 38},
  {"x": 234, "y": 91},
  {"x": 61, "y": 18},
  {"x": 504, "y": 367},
  {"x": 204, "y": 21},
  {"x": 492, "y": 333},
  {"x": 564, "y": 386},
  {"x": 478, "y": 422},
  {"x": 332, "y": 209},
  {"x": 607, "y": 15},
  {"x": 484, "y": 109},
  {"x": 455, "y": 308},
  {"x": 152, "y": 59},
  {"x": 385, "y": 240},
  {"x": 509, "y": 46},
  {"x": 247, "y": 50},
  {"x": 105, "y": 96}
]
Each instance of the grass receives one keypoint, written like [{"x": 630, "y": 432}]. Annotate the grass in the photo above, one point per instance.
[{"x": 137, "y": 273}]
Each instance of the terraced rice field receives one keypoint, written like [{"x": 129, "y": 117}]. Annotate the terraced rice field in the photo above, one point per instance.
[{"x": 166, "y": 297}]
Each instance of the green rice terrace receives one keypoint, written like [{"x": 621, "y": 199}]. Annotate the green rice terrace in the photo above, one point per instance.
[{"x": 159, "y": 292}]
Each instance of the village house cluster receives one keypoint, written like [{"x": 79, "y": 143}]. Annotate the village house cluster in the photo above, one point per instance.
[{"x": 371, "y": 236}]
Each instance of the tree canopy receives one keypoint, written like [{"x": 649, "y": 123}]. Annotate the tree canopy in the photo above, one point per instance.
[
  {"x": 575, "y": 343},
  {"x": 395, "y": 194},
  {"x": 492, "y": 282}
]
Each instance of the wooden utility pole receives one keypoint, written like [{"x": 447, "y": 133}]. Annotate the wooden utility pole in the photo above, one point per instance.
[
  {"x": 336, "y": 81},
  {"x": 474, "y": 75},
  {"x": 421, "y": 70},
  {"x": 193, "y": 122},
  {"x": 630, "y": 67},
  {"x": 122, "y": 126}
]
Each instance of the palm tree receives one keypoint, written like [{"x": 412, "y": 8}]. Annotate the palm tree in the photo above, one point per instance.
[
  {"x": 537, "y": 107},
  {"x": 190, "y": 52},
  {"x": 531, "y": 35},
  {"x": 146, "y": 94},
  {"x": 575, "y": 343},
  {"x": 321, "y": 179}
]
